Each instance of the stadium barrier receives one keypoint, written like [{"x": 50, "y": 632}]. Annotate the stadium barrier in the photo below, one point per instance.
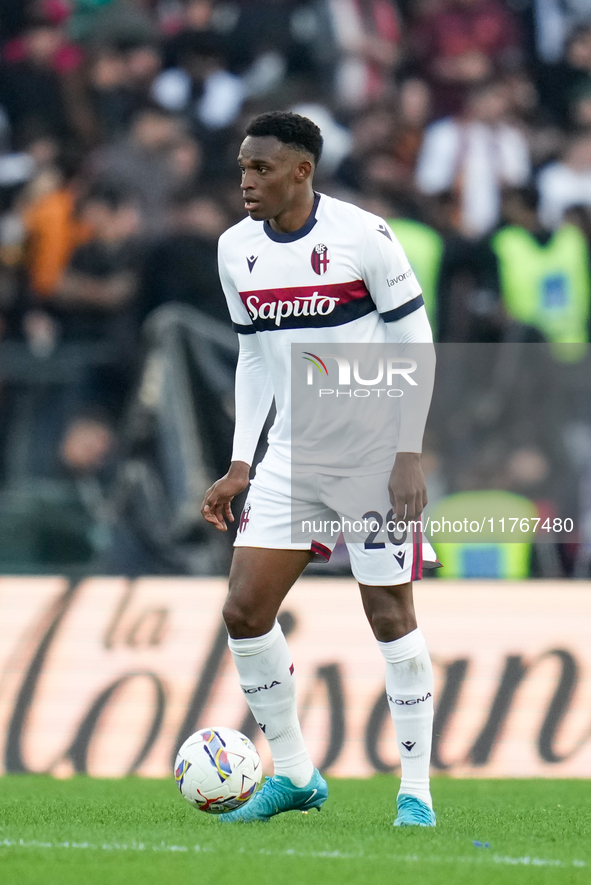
[{"x": 108, "y": 676}]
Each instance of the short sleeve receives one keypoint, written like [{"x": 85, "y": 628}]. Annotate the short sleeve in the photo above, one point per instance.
[
  {"x": 241, "y": 321},
  {"x": 387, "y": 273}
]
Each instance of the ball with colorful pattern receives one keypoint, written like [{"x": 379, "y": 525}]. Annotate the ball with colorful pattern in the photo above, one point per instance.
[{"x": 217, "y": 769}]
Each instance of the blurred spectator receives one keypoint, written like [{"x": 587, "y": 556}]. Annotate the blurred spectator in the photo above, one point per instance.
[
  {"x": 143, "y": 60},
  {"x": 32, "y": 76},
  {"x": 92, "y": 302},
  {"x": 111, "y": 100},
  {"x": 566, "y": 182},
  {"x": 563, "y": 81},
  {"x": 372, "y": 131},
  {"x": 118, "y": 82},
  {"x": 183, "y": 266},
  {"x": 112, "y": 22},
  {"x": 544, "y": 137},
  {"x": 192, "y": 17},
  {"x": 542, "y": 275},
  {"x": 413, "y": 113},
  {"x": 474, "y": 155},
  {"x": 92, "y": 311},
  {"x": 98, "y": 287},
  {"x": 185, "y": 163},
  {"x": 462, "y": 43},
  {"x": 201, "y": 86},
  {"x": 53, "y": 230},
  {"x": 575, "y": 83},
  {"x": 553, "y": 21},
  {"x": 86, "y": 445},
  {"x": 271, "y": 41},
  {"x": 368, "y": 39},
  {"x": 141, "y": 162}
]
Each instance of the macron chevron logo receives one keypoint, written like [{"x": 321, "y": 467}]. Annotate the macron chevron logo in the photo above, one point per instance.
[
  {"x": 382, "y": 229},
  {"x": 408, "y": 745},
  {"x": 399, "y": 557},
  {"x": 251, "y": 262}
]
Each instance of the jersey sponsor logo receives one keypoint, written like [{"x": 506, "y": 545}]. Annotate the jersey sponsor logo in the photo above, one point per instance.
[
  {"x": 383, "y": 229},
  {"x": 319, "y": 259},
  {"x": 310, "y": 305},
  {"x": 401, "y": 276},
  {"x": 301, "y": 306},
  {"x": 251, "y": 262}
]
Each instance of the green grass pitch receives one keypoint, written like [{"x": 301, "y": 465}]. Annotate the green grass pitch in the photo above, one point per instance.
[{"x": 123, "y": 832}]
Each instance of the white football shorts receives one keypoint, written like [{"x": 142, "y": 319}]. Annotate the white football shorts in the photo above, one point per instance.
[{"x": 308, "y": 511}]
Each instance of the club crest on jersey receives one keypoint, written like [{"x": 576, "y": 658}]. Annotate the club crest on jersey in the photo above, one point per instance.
[
  {"x": 320, "y": 259},
  {"x": 245, "y": 518}
]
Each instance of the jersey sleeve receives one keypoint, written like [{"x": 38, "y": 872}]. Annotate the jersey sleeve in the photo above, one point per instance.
[
  {"x": 254, "y": 395},
  {"x": 241, "y": 321},
  {"x": 387, "y": 273},
  {"x": 413, "y": 337}
]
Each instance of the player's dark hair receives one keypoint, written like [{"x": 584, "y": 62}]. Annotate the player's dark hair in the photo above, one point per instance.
[{"x": 290, "y": 129}]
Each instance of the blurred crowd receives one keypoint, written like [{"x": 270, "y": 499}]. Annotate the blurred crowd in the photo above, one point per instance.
[{"x": 465, "y": 123}]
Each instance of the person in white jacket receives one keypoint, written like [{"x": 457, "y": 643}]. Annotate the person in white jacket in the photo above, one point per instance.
[{"x": 475, "y": 155}]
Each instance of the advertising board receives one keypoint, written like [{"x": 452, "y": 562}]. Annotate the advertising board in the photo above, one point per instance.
[{"x": 109, "y": 676}]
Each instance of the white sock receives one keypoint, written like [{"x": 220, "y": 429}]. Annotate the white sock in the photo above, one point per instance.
[
  {"x": 409, "y": 687},
  {"x": 265, "y": 669}
]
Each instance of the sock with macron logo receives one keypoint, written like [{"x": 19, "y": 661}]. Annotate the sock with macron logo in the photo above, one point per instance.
[
  {"x": 409, "y": 688},
  {"x": 267, "y": 679}
]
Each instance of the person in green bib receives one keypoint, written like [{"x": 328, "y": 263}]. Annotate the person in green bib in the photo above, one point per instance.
[
  {"x": 424, "y": 248},
  {"x": 543, "y": 276}
]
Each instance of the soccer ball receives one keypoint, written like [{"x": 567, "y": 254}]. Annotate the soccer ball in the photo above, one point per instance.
[{"x": 217, "y": 770}]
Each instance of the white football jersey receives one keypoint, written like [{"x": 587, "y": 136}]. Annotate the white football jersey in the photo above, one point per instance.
[{"x": 338, "y": 279}]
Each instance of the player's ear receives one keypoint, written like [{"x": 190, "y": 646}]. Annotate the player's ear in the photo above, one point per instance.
[{"x": 304, "y": 170}]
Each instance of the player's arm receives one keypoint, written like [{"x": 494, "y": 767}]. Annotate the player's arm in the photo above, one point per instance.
[
  {"x": 407, "y": 486},
  {"x": 253, "y": 398},
  {"x": 398, "y": 298},
  {"x": 254, "y": 395}
]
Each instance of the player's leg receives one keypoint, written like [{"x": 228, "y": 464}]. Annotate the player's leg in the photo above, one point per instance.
[
  {"x": 266, "y": 564},
  {"x": 384, "y": 561},
  {"x": 409, "y": 688},
  {"x": 259, "y": 581}
]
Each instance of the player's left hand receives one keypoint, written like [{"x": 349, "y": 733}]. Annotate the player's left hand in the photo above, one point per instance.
[{"x": 407, "y": 487}]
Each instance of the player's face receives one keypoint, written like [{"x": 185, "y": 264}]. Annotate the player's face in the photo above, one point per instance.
[{"x": 271, "y": 172}]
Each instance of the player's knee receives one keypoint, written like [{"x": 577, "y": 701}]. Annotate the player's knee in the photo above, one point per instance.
[
  {"x": 390, "y": 625},
  {"x": 234, "y": 617},
  {"x": 241, "y": 622}
]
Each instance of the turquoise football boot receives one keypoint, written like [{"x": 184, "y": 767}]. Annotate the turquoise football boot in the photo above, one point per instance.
[
  {"x": 413, "y": 812},
  {"x": 279, "y": 794}
]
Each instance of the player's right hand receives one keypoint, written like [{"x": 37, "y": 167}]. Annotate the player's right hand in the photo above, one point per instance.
[{"x": 216, "y": 504}]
